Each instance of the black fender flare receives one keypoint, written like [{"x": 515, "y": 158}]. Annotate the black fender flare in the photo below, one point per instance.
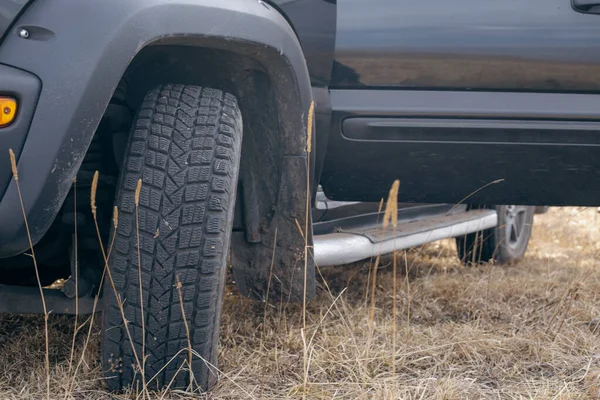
[{"x": 80, "y": 50}]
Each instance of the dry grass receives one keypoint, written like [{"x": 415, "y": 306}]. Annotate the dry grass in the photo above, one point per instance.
[{"x": 526, "y": 331}]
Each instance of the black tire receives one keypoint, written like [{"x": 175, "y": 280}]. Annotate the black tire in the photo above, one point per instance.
[
  {"x": 500, "y": 244},
  {"x": 185, "y": 145}
]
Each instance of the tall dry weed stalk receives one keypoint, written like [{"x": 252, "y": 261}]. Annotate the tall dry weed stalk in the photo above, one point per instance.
[
  {"x": 111, "y": 280},
  {"x": 310, "y": 122},
  {"x": 391, "y": 216},
  {"x": 15, "y": 172}
]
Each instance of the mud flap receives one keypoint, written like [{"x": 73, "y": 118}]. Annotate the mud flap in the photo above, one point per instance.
[{"x": 252, "y": 261}]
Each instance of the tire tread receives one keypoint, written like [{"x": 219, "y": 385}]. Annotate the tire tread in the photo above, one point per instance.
[{"x": 185, "y": 146}]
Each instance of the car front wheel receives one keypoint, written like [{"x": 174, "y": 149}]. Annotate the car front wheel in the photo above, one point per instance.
[{"x": 185, "y": 146}]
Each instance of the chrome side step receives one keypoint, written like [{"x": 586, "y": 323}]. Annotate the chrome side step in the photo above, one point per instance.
[{"x": 354, "y": 244}]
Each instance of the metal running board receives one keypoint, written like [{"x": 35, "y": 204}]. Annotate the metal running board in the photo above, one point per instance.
[{"x": 354, "y": 244}]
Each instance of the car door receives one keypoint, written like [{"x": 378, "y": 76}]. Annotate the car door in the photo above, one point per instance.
[{"x": 494, "y": 101}]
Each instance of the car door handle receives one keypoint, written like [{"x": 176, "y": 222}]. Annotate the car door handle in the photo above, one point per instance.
[{"x": 587, "y": 6}]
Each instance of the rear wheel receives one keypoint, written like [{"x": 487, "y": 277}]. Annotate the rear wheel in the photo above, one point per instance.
[
  {"x": 504, "y": 243},
  {"x": 185, "y": 146}
]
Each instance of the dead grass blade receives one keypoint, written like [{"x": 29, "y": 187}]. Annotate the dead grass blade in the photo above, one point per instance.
[
  {"x": 187, "y": 334},
  {"x": 76, "y": 263},
  {"x": 138, "y": 189},
  {"x": 270, "y": 279},
  {"x": 476, "y": 191},
  {"x": 97, "y": 297},
  {"x": 367, "y": 286}
]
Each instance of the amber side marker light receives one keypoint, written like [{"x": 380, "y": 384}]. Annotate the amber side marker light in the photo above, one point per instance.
[{"x": 8, "y": 111}]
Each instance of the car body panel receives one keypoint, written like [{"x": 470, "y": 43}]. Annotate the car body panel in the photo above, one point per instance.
[
  {"x": 457, "y": 146},
  {"x": 315, "y": 24},
  {"x": 451, "y": 96},
  {"x": 535, "y": 45}
]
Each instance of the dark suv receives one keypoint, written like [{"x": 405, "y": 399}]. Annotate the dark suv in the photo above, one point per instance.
[{"x": 154, "y": 140}]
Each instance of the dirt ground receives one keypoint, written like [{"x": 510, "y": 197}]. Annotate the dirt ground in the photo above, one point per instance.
[{"x": 530, "y": 330}]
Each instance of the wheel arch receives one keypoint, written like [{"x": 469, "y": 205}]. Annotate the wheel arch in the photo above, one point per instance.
[{"x": 272, "y": 178}]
